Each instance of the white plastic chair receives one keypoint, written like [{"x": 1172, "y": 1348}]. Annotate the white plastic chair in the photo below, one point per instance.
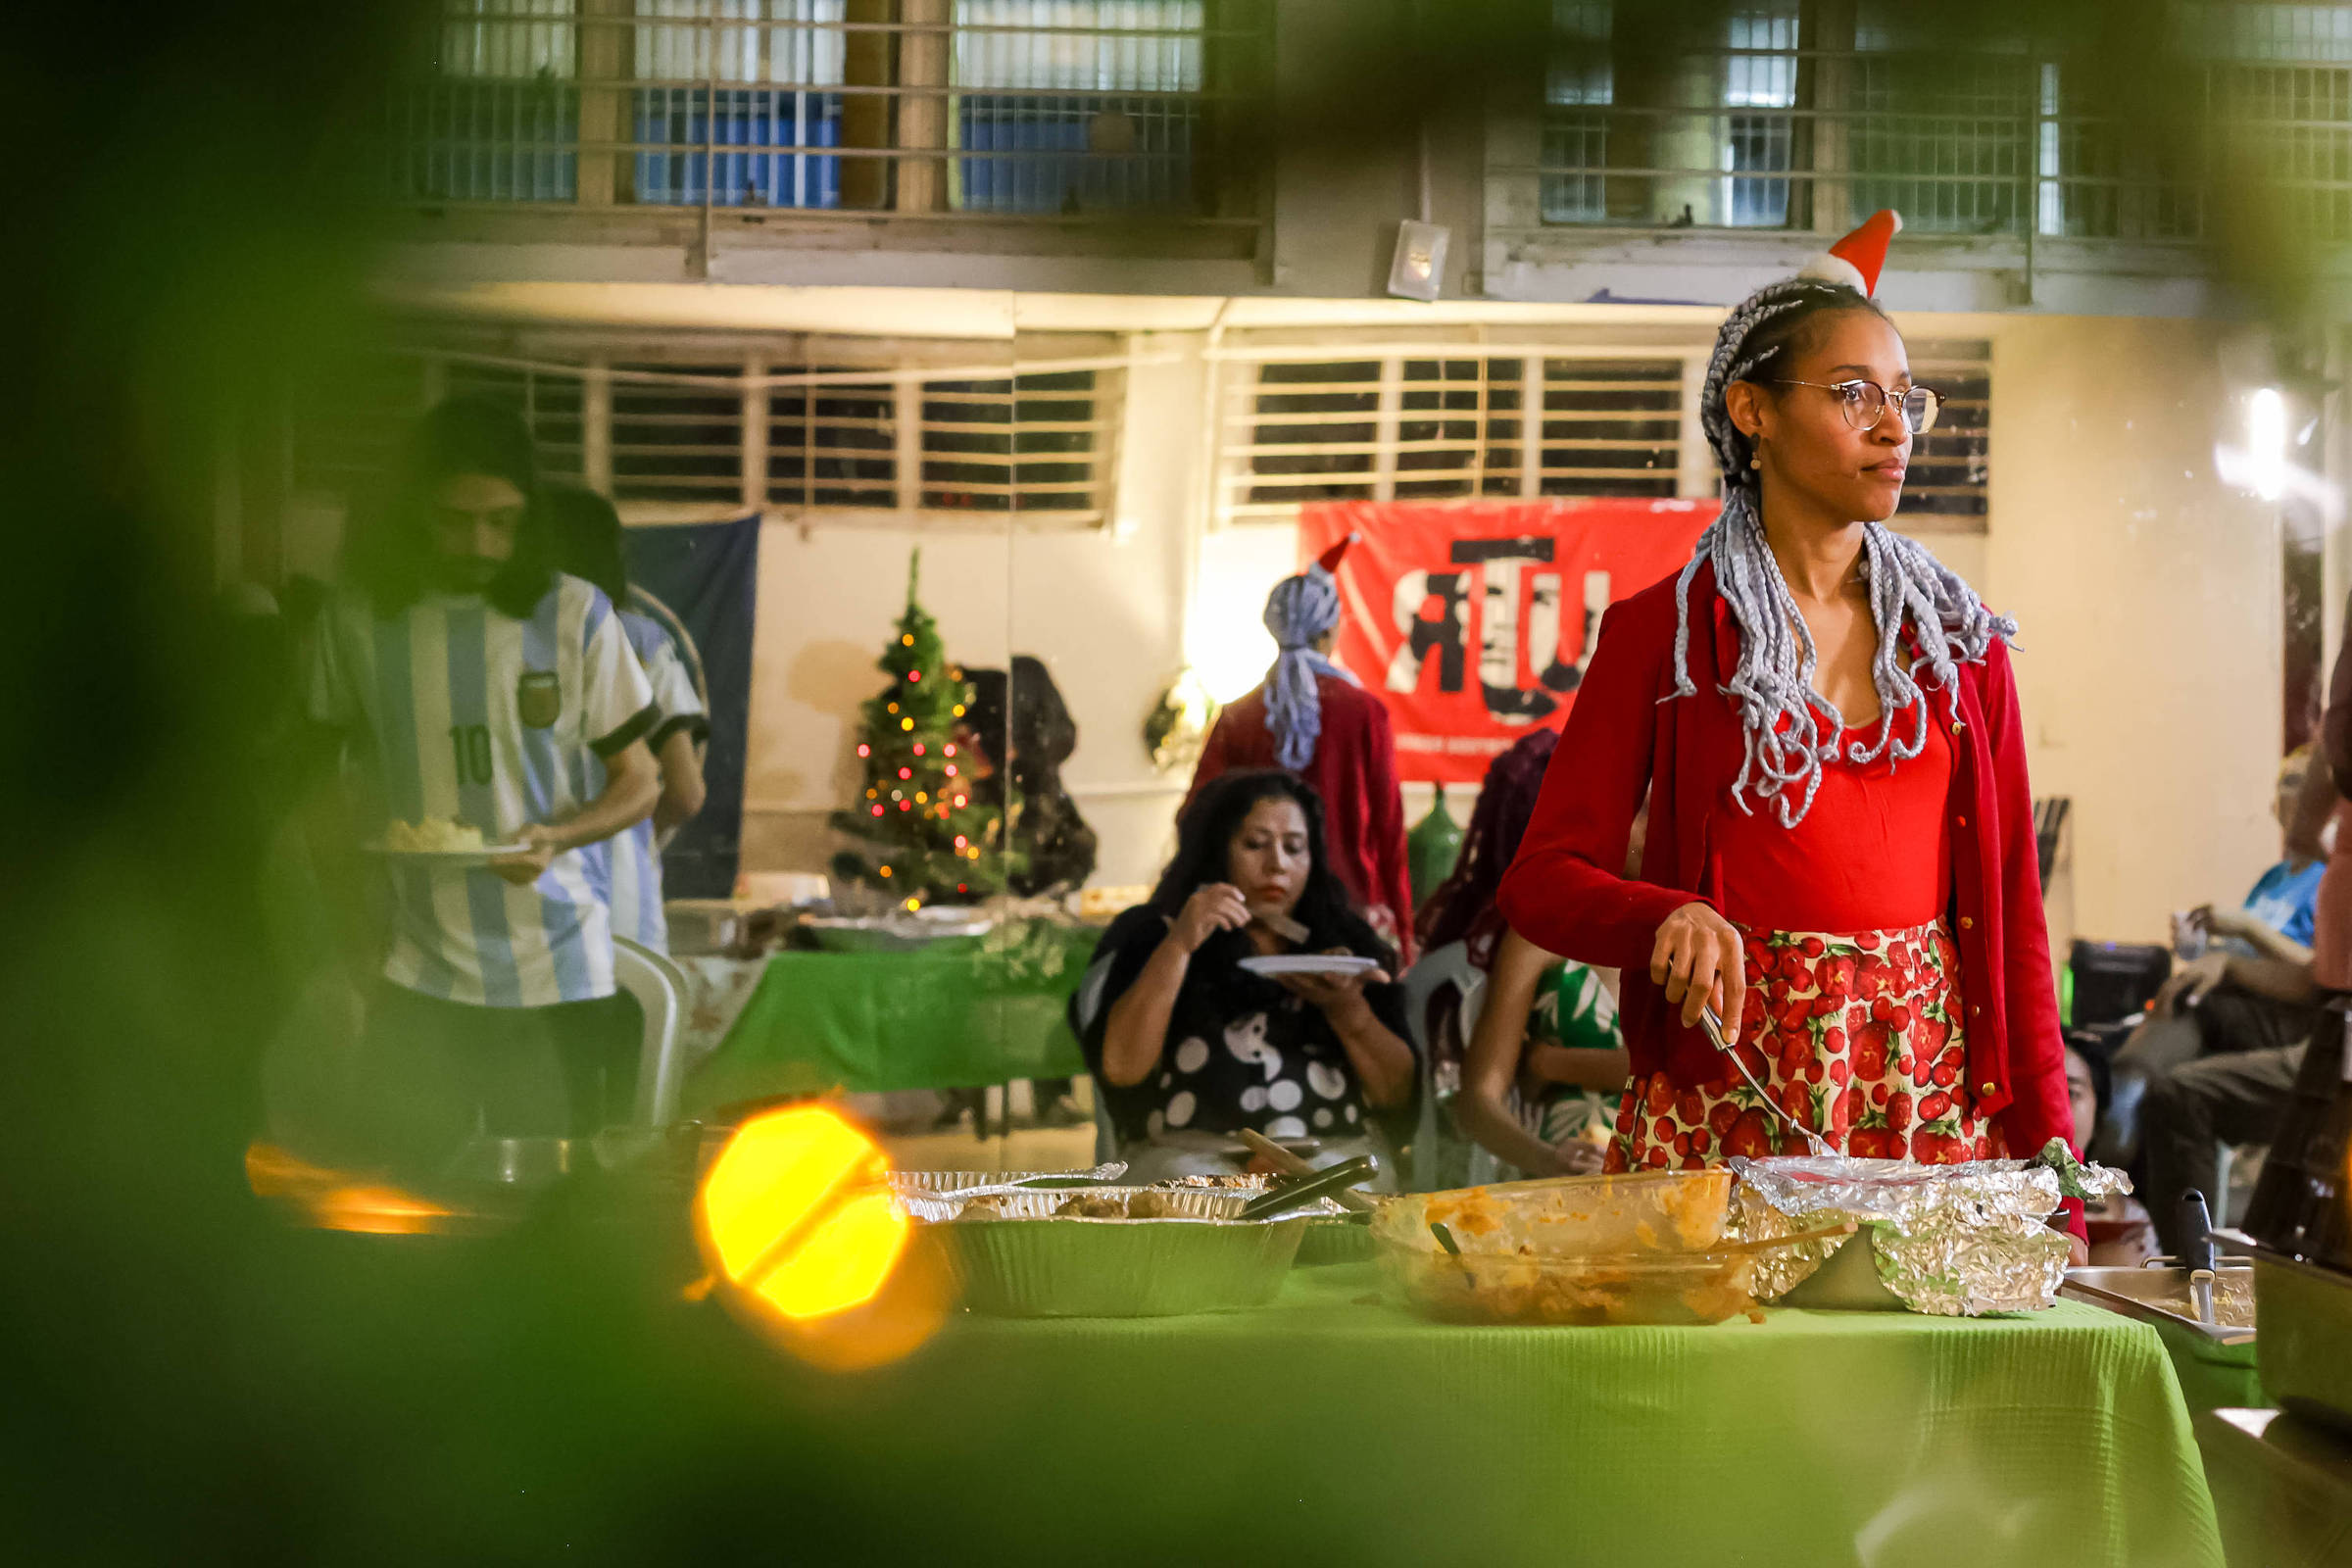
[
  {"x": 1084, "y": 1005},
  {"x": 1442, "y": 966},
  {"x": 661, "y": 989}
]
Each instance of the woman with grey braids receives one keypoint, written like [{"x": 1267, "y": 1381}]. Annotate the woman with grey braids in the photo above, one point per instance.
[
  {"x": 1790, "y": 728},
  {"x": 1840, "y": 863}
]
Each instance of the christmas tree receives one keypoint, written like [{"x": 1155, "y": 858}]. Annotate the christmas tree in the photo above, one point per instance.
[{"x": 928, "y": 838}]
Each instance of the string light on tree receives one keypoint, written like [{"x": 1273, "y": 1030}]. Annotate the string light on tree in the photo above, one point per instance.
[{"x": 932, "y": 846}]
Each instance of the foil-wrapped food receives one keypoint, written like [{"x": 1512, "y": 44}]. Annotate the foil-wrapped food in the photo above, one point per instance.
[{"x": 1952, "y": 1240}]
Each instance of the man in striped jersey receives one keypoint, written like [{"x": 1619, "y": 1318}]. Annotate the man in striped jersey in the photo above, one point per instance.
[
  {"x": 589, "y": 544},
  {"x": 472, "y": 682}
]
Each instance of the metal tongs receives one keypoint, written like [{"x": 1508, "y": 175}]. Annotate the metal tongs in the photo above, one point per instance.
[
  {"x": 1712, "y": 1022},
  {"x": 1325, "y": 1183}
]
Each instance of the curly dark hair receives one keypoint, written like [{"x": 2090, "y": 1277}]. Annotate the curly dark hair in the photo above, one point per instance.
[
  {"x": 1506, "y": 800},
  {"x": 1204, "y": 835},
  {"x": 390, "y": 553}
]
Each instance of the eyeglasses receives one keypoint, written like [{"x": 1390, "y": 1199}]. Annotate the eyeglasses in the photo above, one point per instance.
[{"x": 1865, "y": 403}]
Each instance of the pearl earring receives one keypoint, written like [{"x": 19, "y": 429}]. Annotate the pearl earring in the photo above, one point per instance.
[{"x": 1756, "y": 462}]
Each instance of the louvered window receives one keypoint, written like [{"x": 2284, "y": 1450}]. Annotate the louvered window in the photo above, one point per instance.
[
  {"x": 1951, "y": 464},
  {"x": 677, "y": 433},
  {"x": 1026, "y": 443},
  {"x": 1442, "y": 427},
  {"x": 832, "y": 444},
  {"x": 668, "y": 437}
]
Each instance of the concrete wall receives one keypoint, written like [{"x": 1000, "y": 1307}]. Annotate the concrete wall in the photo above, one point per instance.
[{"x": 2148, "y": 595}]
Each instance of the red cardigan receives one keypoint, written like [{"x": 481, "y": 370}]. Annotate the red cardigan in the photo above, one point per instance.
[
  {"x": 1563, "y": 892},
  {"x": 1354, "y": 772}
]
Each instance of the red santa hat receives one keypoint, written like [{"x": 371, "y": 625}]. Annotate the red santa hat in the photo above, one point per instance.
[
  {"x": 1329, "y": 559},
  {"x": 1857, "y": 260}
]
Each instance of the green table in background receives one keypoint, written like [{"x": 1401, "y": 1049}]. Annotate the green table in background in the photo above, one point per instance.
[
  {"x": 1332, "y": 1427},
  {"x": 926, "y": 1018}
]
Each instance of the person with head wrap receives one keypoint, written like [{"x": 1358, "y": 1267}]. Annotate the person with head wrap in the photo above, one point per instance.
[
  {"x": 1840, "y": 857},
  {"x": 1311, "y": 719}
]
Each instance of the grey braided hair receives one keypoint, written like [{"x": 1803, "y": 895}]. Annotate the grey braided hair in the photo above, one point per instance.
[{"x": 1791, "y": 729}]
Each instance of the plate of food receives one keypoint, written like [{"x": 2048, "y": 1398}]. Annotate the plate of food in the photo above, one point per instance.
[
  {"x": 1331, "y": 963},
  {"x": 437, "y": 838}
]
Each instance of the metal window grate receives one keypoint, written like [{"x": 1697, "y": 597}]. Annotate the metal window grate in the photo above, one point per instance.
[
  {"x": 668, "y": 437},
  {"x": 550, "y": 405},
  {"x": 345, "y": 426},
  {"x": 1759, "y": 74},
  {"x": 1970, "y": 134},
  {"x": 499, "y": 119},
  {"x": 678, "y": 440},
  {"x": 1067, "y": 107},
  {"x": 1451, "y": 426},
  {"x": 832, "y": 444},
  {"x": 1951, "y": 464},
  {"x": 772, "y": 70},
  {"x": 1029, "y": 443},
  {"x": 1610, "y": 427},
  {"x": 1109, "y": 115}
]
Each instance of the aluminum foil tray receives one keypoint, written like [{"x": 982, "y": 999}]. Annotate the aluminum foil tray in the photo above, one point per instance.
[
  {"x": 1332, "y": 1239},
  {"x": 1188, "y": 1202},
  {"x": 1032, "y": 1265},
  {"x": 1951, "y": 1240},
  {"x": 948, "y": 1181}
]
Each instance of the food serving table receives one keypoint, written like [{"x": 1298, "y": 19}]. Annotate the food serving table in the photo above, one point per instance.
[
  {"x": 1334, "y": 1428},
  {"x": 867, "y": 1022}
]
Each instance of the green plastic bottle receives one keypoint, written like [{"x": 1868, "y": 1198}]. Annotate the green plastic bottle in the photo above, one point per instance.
[{"x": 1430, "y": 849}]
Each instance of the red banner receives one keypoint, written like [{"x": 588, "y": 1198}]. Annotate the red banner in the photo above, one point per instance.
[{"x": 1474, "y": 622}]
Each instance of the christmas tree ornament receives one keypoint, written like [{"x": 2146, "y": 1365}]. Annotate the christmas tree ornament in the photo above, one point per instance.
[{"x": 920, "y": 830}]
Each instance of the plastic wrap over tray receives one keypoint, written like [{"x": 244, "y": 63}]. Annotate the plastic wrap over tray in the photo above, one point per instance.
[{"x": 1953, "y": 1240}]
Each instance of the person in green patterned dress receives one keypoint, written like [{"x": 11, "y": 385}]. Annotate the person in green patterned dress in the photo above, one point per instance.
[{"x": 1543, "y": 1064}]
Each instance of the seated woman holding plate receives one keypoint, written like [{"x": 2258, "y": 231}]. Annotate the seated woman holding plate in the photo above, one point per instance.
[{"x": 1245, "y": 994}]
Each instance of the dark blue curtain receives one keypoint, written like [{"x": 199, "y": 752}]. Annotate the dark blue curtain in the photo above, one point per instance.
[{"x": 700, "y": 580}]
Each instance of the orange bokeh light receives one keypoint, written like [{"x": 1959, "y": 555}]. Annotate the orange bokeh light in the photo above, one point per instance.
[
  {"x": 797, "y": 1220},
  {"x": 796, "y": 1211},
  {"x": 334, "y": 1200}
]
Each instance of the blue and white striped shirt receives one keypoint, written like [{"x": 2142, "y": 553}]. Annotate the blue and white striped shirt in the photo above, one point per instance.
[
  {"x": 458, "y": 710},
  {"x": 635, "y": 859}
]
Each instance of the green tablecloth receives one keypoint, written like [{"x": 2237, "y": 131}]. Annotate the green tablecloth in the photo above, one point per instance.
[
  {"x": 871, "y": 1021},
  {"x": 1333, "y": 1429}
]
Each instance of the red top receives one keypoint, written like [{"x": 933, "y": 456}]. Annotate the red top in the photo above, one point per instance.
[
  {"x": 1354, "y": 772},
  {"x": 1873, "y": 853},
  {"x": 1564, "y": 892}
]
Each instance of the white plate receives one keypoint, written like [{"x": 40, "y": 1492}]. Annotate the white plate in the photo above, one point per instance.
[
  {"x": 487, "y": 853},
  {"x": 1310, "y": 964}
]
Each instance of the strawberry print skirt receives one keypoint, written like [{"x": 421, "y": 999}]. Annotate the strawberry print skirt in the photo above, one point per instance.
[{"x": 1856, "y": 1035}]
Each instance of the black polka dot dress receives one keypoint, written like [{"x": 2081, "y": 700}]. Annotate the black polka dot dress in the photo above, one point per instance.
[{"x": 1241, "y": 1051}]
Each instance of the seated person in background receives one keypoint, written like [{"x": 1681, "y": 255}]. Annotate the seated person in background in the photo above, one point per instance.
[
  {"x": 2191, "y": 1112},
  {"x": 1186, "y": 1047},
  {"x": 1544, "y": 1061},
  {"x": 2252, "y": 990}
]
